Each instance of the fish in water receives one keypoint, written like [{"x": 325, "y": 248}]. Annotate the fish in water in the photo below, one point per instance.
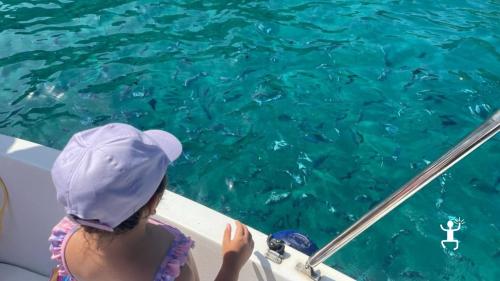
[
  {"x": 436, "y": 98},
  {"x": 391, "y": 129},
  {"x": 399, "y": 233},
  {"x": 232, "y": 98},
  {"x": 357, "y": 136},
  {"x": 205, "y": 105},
  {"x": 420, "y": 74},
  {"x": 447, "y": 120},
  {"x": 277, "y": 197},
  {"x": 219, "y": 127},
  {"x": 295, "y": 177},
  {"x": 190, "y": 80},
  {"x": 341, "y": 117},
  {"x": 483, "y": 187},
  {"x": 100, "y": 119},
  {"x": 416, "y": 72},
  {"x": 387, "y": 62},
  {"x": 348, "y": 175},
  {"x": 297, "y": 219},
  {"x": 350, "y": 78},
  {"x": 412, "y": 274},
  {"x": 396, "y": 153},
  {"x": 383, "y": 75},
  {"x": 245, "y": 72},
  {"x": 206, "y": 111},
  {"x": 317, "y": 138},
  {"x": 320, "y": 126},
  {"x": 13, "y": 112},
  {"x": 366, "y": 103},
  {"x": 362, "y": 198},
  {"x": 263, "y": 97},
  {"x": 482, "y": 110},
  {"x": 389, "y": 260},
  {"x": 152, "y": 103},
  {"x": 320, "y": 160},
  {"x": 224, "y": 79},
  {"x": 439, "y": 202},
  {"x": 230, "y": 183},
  {"x": 285, "y": 117},
  {"x": 279, "y": 144}
]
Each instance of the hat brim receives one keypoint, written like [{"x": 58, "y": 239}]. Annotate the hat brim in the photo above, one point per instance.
[{"x": 167, "y": 142}]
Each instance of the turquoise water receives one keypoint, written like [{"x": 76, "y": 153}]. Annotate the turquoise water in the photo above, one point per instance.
[{"x": 293, "y": 114}]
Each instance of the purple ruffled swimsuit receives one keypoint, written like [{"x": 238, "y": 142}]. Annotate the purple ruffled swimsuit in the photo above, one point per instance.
[{"x": 169, "y": 269}]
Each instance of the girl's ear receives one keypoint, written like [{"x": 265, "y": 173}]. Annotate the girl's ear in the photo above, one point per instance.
[
  {"x": 157, "y": 202},
  {"x": 151, "y": 208}
]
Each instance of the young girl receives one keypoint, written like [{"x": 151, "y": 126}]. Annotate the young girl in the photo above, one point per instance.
[{"x": 110, "y": 180}]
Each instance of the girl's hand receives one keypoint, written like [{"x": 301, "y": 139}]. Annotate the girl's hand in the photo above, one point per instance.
[{"x": 237, "y": 251}]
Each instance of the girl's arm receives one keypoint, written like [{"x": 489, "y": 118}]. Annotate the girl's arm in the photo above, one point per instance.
[
  {"x": 192, "y": 265},
  {"x": 189, "y": 272},
  {"x": 227, "y": 273},
  {"x": 235, "y": 252}
]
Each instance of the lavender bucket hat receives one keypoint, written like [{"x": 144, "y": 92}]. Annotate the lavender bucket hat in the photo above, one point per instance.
[{"x": 105, "y": 174}]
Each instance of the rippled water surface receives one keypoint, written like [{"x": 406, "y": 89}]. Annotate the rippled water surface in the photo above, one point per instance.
[{"x": 293, "y": 114}]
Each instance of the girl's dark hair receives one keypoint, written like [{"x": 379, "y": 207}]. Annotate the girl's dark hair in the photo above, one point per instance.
[{"x": 133, "y": 220}]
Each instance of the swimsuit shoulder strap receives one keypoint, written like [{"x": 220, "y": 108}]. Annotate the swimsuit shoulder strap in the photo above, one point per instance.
[
  {"x": 58, "y": 239},
  {"x": 176, "y": 256}
]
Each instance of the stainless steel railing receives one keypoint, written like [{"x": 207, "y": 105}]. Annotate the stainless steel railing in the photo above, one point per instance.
[{"x": 486, "y": 131}]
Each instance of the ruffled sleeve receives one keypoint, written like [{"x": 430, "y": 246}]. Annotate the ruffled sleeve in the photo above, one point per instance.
[
  {"x": 57, "y": 243},
  {"x": 177, "y": 255}
]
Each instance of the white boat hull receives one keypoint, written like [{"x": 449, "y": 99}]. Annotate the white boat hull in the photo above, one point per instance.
[{"x": 33, "y": 210}]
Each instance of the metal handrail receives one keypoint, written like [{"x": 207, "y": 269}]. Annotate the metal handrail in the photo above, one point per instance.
[{"x": 486, "y": 131}]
